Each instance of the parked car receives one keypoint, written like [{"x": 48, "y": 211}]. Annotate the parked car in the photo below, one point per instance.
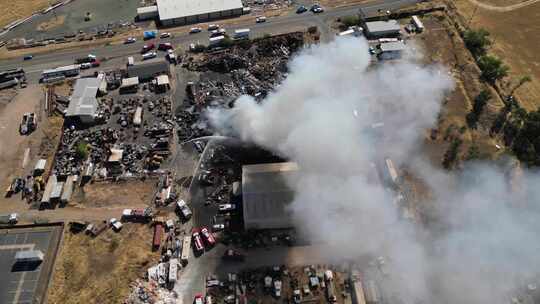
[
  {"x": 85, "y": 65},
  {"x": 301, "y": 9},
  {"x": 208, "y": 237},
  {"x": 28, "y": 57},
  {"x": 197, "y": 241},
  {"x": 260, "y": 19},
  {"x": 213, "y": 27},
  {"x": 149, "y": 55},
  {"x": 316, "y": 8},
  {"x": 227, "y": 207},
  {"x": 165, "y": 46},
  {"x": 198, "y": 299},
  {"x": 147, "y": 47},
  {"x": 218, "y": 227},
  {"x": 130, "y": 40},
  {"x": 195, "y": 30},
  {"x": 165, "y": 35},
  {"x": 95, "y": 63}
]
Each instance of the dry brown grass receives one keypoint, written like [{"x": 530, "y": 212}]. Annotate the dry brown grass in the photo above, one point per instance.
[
  {"x": 131, "y": 193},
  {"x": 99, "y": 270},
  {"x": 442, "y": 44},
  {"x": 51, "y": 23},
  {"x": 516, "y": 42},
  {"x": 15, "y": 9}
]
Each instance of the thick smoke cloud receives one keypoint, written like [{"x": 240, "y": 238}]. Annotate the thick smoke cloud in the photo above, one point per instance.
[{"x": 321, "y": 117}]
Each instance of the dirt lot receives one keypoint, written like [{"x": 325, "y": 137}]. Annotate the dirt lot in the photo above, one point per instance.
[
  {"x": 441, "y": 44},
  {"x": 133, "y": 194},
  {"x": 13, "y": 10},
  {"x": 99, "y": 270},
  {"x": 514, "y": 33}
]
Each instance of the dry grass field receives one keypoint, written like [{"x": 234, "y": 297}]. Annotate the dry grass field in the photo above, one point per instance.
[
  {"x": 99, "y": 270},
  {"x": 16, "y": 9},
  {"x": 516, "y": 36}
]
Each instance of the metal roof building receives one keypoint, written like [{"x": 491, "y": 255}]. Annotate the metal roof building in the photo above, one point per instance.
[
  {"x": 266, "y": 195},
  {"x": 377, "y": 29},
  {"x": 148, "y": 69},
  {"x": 391, "y": 50},
  {"x": 83, "y": 103},
  {"x": 178, "y": 12}
]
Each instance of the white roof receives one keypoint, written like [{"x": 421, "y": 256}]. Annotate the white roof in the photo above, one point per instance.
[
  {"x": 83, "y": 100},
  {"x": 128, "y": 82},
  {"x": 62, "y": 69},
  {"x": 116, "y": 155},
  {"x": 147, "y": 9},
  {"x": 162, "y": 79},
  {"x": 29, "y": 255},
  {"x": 383, "y": 26},
  {"x": 171, "y": 9},
  {"x": 392, "y": 46}
]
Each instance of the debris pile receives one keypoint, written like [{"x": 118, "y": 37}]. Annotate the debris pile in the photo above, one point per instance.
[{"x": 149, "y": 292}]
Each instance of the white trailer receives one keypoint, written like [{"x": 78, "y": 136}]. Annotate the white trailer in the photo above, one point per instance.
[
  {"x": 417, "y": 24},
  {"x": 186, "y": 245},
  {"x": 173, "y": 271},
  {"x": 241, "y": 34},
  {"x": 29, "y": 256},
  {"x": 215, "y": 41}
]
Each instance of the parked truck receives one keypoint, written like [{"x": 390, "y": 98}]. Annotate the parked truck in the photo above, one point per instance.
[
  {"x": 330, "y": 286},
  {"x": 9, "y": 219},
  {"x": 241, "y": 34}
]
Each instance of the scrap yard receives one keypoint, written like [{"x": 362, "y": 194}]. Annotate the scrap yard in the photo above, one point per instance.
[{"x": 265, "y": 152}]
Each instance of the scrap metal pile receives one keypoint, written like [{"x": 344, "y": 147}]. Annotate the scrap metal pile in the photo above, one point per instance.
[
  {"x": 137, "y": 128},
  {"x": 246, "y": 69},
  {"x": 149, "y": 292}
]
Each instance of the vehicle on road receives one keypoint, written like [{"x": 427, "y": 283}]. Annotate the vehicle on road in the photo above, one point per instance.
[
  {"x": 233, "y": 255},
  {"x": 227, "y": 207},
  {"x": 241, "y": 34},
  {"x": 184, "y": 210},
  {"x": 149, "y": 35},
  {"x": 165, "y": 46},
  {"x": 260, "y": 19},
  {"x": 86, "y": 65},
  {"x": 95, "y": 63},
  {"x": 197, "y": 240},
  {"x": 301, "y": 9},
  {"x": 208, "y": 237},
  {"x": 147, "y": 47},
  {"x": 198, "y": 299},
  {"x": 130, "y": 40},
  {"x": 195, "y": 30},
  {"x": 28, "y": 57},
  {"x": 149, "y": 55},
  {"x": 9, "y": 219},
  {"x": 213, "y": 27},
  {"x": 316, "y": 8},
  {"x": 165, "y": 35},
  {"x": 218, "y": 227}
]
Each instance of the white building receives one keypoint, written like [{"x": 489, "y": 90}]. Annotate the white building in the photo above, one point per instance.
[
  {"x": 378, "y": 29},
  {"x": 266, "y": 195},
  {"x": 83, "y": 103},
  {"x": 180, "y": 12}
]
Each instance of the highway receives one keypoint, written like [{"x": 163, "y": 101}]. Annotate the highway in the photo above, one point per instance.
[{"x": 275, "y": 25}]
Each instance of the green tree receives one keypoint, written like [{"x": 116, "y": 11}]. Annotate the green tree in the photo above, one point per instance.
[
  {"x": 451, "y": 155},
  {"x": 473, "y": 153},
  {"x": 477, "y": 41},
  {"x": 350, "y": 20},
  {"x": 527, "y": 143},
  {"x": 81, "y": 150},
  {"x": 480, "y": 102},
  {"x": 492, "y": 68}
]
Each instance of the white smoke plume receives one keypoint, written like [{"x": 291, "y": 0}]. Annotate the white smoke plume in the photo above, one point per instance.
[{"x": 321, "y": 117}]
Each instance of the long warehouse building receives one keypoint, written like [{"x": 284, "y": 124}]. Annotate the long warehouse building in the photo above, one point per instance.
[
  {"x": 180, "y": 12},
  {"x": 266, "y": 195}
]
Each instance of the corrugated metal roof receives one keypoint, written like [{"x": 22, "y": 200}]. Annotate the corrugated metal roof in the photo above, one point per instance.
[
  {"x": 83, "y": 100},
  {"x": 392, "y": 46},
  {"x": 147, "y": 9},
  {"x": 172, "y": 9},
  {"x": 382, "y": 26},
  {"x": 128, "y": 82},
  {"x": 29, "y": 255},
  {"x": 162, "y": 79},
  {"x": 266, "y": 195},
  {"x": 148, "y": 68}
]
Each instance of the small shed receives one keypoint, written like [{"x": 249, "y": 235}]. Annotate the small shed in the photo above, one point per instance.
[
  {"x": 116, "y": 155},
  {"x": 40, "y": 167},
  {"x": 27, "y": 256},
  {"x": 162, "y": 83},
  {"x": 68, "y": 189},
  {"x": 130, "y": 84}
]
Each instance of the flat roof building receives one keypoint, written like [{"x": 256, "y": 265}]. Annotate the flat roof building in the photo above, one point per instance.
[
  {"x": 83, "y": 103},
  {"x": 391, "y": 50},
  {"x": 378, "y": 29},
  {"x": 266, "y": 195},
  {"x": 148, "y": 69},
  {"x": 179, "y": 12}
]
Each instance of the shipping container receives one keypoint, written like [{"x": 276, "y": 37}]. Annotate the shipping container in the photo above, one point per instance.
[
  {"x": 417, "y": 24},
  {"x": 158, "y": 232},
  {"x": 173, "y": 271},
  {"x": 137, "y": 118},
  {"x": 186, "y": 244},
  {"x": 29, "y": 256}
]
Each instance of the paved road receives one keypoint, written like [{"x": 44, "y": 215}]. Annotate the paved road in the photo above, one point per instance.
[{"x": 119, "y": 52}]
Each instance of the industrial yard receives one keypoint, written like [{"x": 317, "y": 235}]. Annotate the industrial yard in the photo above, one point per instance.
[{"x": 267, "y": 152}]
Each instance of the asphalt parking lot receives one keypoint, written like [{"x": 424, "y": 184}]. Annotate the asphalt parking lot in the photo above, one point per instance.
[{"x": 26, "y": 284}]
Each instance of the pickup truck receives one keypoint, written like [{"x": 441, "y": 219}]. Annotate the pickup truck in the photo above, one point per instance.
[{"x": 9, "y": 219}]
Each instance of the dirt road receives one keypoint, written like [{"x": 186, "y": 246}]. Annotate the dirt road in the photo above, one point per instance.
[{"x": 503, "y": 8}]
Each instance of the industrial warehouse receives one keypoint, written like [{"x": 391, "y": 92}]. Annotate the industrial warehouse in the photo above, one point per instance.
[{"x": 173, "y": 12}]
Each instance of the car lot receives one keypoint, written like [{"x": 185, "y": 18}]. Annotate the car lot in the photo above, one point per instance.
[{"x": 22, "y": 284}]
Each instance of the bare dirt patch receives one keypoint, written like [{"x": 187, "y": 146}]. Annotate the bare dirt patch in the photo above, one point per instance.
[
  {"x": 99, "y": 270},
  {"x": 123, "y": 193},
  {"x": 51, "y": 23},
  {"x": 514, "y": 35}
]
